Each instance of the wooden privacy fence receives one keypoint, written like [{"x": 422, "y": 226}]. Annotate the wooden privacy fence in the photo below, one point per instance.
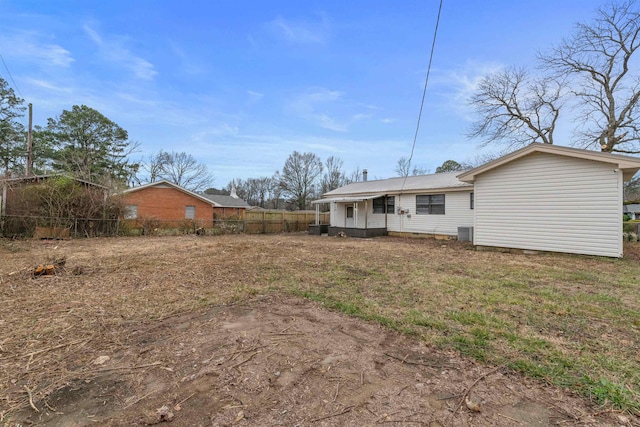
[{"x": 257, "y": 222}]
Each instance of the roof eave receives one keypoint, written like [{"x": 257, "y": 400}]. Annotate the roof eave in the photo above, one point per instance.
[{"x": 627, "y": 164}]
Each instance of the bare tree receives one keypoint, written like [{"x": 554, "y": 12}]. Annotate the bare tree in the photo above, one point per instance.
[
  {"x": 607, "y": 84},
  {"x": 263, "y": 189},
  {"x": 356, "y": 176},
  {"x": 179, "y": 168},
  {"x": 333, "y": 176},
  {"x": 299, "y": 176},
  {"x": 403, "y": 168},
  {"x": 275, "y": 190},
  {"x": 153, "y": 166},
  {"x": 515, "y": 108}
]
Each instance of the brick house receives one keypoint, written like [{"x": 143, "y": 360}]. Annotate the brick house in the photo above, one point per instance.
[{"x": 171, "y": 204}]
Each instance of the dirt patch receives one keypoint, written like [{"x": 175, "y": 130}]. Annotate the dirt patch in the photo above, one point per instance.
[
  {"x": 95, "y": 356},
  {"x": 287, "y": 361}
]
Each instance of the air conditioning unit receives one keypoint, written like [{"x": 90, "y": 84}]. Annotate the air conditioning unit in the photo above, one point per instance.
[{"x": 465, "y": 234}]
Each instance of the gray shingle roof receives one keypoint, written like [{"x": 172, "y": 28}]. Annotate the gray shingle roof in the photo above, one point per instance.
[
  {"x": 436, "y": 181},
  {"x": 226, "y": 201}
]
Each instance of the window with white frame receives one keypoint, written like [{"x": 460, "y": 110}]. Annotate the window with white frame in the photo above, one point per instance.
[
  {"x": 189, "y": 212},
  {"x": 471, "y": 200},
  {"x": 430, "y": 204}
]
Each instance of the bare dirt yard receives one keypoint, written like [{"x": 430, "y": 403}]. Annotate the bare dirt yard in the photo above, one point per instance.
[{"x": 298, "y": 330}]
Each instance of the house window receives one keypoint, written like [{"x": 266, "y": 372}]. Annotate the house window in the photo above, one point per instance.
[
  {"x": 391, "y": 203},
  {"x": 349, "y": 211},
  {"x": 131, "y": 212},
  {"x": 432, "y": 204},
  {"x": 189, "y": 212},
  {"x": 471, "y": 201},
  {"x": 380, "y": 205}
]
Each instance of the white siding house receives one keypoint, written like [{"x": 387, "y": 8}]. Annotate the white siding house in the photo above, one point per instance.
[
  {"x": 542, "y": 197},
  {"x": 401, "y": 205}
]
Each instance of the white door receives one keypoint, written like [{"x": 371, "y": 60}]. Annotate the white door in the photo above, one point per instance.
[{"x": 349, "y": 221}]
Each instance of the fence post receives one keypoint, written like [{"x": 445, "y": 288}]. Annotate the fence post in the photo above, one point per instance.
[{"x": 264, "y": 223}]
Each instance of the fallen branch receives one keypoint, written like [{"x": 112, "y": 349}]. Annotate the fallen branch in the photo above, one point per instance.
[
  {"x": 244, "y": 361},
  {"x": 30, "y": 393},
  {"x": 509, "y": 418},
  {"x": 44, "y": 350},
  {"x": 140, "y": 398},
  {"x": 344, "y": 411},
  {"x": 131, "y": 368},
  {"x": 466, "y": 393}
]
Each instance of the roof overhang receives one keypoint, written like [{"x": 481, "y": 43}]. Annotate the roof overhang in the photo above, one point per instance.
[
  {"x": 346, "y": 199},
  {"x": 627, "y": 164}
]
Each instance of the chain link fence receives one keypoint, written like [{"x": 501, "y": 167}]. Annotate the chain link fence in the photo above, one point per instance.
[{"x": 12, "y": 226}]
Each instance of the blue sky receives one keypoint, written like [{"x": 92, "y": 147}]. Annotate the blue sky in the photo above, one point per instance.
[{"x": 242, "y": 84}]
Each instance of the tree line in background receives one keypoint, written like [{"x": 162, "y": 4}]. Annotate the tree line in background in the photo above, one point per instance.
[
  {"x": 85, "y": 144},
  {"x": 304, "y": 177}
]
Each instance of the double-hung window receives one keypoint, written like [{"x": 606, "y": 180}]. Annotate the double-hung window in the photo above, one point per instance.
[
  {"x": 430, "y": 204},
  {"x": 384, "y": 205}
]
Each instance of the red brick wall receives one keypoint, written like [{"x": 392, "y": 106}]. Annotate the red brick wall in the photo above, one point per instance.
[{"x": 167, "y": 204}]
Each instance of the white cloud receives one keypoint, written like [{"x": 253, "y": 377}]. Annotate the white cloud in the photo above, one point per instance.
[
  {"x": 459, "y": 84},
  {"x": 326, "y": 109},
  {"x": 188, "y": 63},
  {"x": 114, "y": 50},
  {"x": 31, "y": 46},
  {"x": 301, "y": 32},
  {"x": 44, "y": 84},
  {"x": 254, "y": 97}
]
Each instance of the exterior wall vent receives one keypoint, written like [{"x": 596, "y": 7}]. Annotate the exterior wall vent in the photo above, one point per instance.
[{"x": 465, "y": 234}]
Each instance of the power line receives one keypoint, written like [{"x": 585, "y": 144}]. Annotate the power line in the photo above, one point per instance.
[
  {"x": 11, "y": 77},
  {"x": 424, "y": 93}
]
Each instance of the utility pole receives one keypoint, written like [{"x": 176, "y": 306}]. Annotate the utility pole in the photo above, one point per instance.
[{"x": 30, "y": 141}]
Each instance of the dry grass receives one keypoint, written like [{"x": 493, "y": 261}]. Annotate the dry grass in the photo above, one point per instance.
[{"x": 572, "y": 321}]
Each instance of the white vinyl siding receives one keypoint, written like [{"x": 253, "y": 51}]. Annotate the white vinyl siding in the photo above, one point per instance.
[
  {"x": 457, "y": 214},
  {"x": 550, "y": 203}
]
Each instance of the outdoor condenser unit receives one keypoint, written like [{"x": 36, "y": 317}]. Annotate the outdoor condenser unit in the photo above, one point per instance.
[{"x": 465, "y": 234}]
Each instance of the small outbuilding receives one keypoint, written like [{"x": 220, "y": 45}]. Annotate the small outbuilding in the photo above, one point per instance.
[{"x": 541, "y": 197}]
